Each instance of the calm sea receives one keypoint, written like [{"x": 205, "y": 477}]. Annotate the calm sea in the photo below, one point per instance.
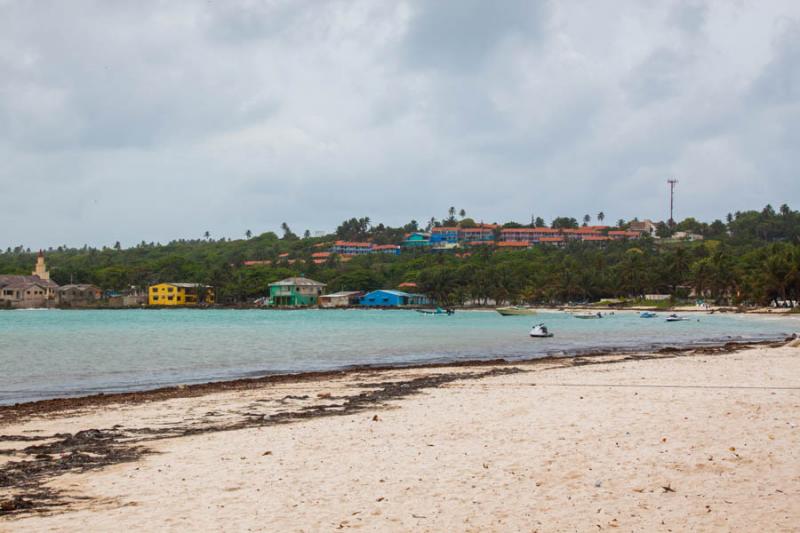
[{"x": 50, "y": 353}]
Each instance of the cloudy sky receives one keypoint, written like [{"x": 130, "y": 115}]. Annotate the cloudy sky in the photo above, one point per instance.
[{"x": 153, "y": 120}]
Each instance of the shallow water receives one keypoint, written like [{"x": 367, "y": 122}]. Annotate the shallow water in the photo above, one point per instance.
[{"x": 50, "y": 353}]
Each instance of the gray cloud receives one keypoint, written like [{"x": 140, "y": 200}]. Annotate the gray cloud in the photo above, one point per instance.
[{"x": 157, "y": 120}]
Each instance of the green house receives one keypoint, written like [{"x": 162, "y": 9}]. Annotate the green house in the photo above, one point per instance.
[
  {"x": 295, "y": 292},
  {"x": 417, "y": 239}
]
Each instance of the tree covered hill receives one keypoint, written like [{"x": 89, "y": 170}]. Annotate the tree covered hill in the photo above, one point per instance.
[{"x": 752, "y": 257}]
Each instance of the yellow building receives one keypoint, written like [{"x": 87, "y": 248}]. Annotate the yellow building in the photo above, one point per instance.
[{"x": 180, "y": 294}]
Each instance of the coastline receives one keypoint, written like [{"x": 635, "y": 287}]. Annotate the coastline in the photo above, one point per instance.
[
  {"x": 694, "y": 439},
  {"x": 15, "y": 410}
]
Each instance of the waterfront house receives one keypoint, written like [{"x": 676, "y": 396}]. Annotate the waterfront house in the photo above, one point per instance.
[
  {"x": 180, "y": 294},
  {"x": 340, "y": 299},
  {"x": 392, "y": 298},
  {"x": 79, "y": 295},
  {"x": 36, "y": 290},
  {"x": 295, "y": 292}
]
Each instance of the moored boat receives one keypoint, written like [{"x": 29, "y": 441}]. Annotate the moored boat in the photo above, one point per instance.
[
  {"x": 676, "y": 318},
  {"x": 588, "y": 314},
  {"x": 515, "y": 310},
  {"x": 647, "y": 314}
]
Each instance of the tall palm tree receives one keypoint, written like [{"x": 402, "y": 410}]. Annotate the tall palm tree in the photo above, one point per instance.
[
  {"x": 601, "y": 216},
  {"x": 462, "y": 213},
  {"x": 207, "y": 234},
  {"x": 248, "y": 234},
  {"x": 586, "y": 219}
]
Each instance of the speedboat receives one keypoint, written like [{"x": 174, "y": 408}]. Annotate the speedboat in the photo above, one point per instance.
[
  {"x": 647, "y": 314},
  {"x": 588, "y": 314},
  {"x": 515, "y": 310},
  {"x": 437, "y": 311},
  {"x": 676, "y": 318},
  {"x": 540, "y": 331}
]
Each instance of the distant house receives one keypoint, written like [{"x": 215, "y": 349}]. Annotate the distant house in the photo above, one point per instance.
[
  {"x": 320, "y": 257},
  {"x": 392, "y": 249},
  {"x": 528, "y": 235},
  {"x": 78, "y": 295},
  {"x": 444, "y": 234},
  {"x": 417, "y": 239},
  {"x": 340, "y": 299},
  {"x": 351, "y": 248},
  {"x": 295, "y": 292},
  {"x": 686, "y": 236},
  {"x": 620, "y": 235},
  {"x": 643, "y": 227},
  {"x": 392, "y": 298},
  {"x": 36, "y": 290},
  {"x": 180, "y": 294}
]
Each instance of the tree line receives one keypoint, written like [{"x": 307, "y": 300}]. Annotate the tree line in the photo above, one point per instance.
[{"x": 752, "y": 257}]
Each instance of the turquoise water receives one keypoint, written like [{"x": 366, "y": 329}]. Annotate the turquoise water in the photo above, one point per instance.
[{"x": 49, "y": 353}]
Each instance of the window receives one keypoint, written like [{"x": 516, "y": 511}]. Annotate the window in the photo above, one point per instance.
[{"x": 155, "y": 298}]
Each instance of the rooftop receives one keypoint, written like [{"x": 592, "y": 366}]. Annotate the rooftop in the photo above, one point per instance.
[{"x": 297, "y": 282}]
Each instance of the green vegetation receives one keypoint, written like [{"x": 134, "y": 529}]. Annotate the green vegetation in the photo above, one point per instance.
[{"x": 753, "y": 258}]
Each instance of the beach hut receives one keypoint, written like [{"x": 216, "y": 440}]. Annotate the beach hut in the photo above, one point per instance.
[
  {"x": 392, "y": 298},
  {"x": 340, "y": 299}
]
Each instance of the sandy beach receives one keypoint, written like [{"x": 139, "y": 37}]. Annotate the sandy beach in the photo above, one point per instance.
[{"x": 675, "y": 441}]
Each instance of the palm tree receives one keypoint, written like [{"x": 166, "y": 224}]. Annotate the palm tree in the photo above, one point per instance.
[
  {"x": 462, "y": 213},
  {"x": 207, "y": 234},
  {"x": 620, "y": 223},
  {"x": 248, "y": 234},
  {"x": 601, "y": 216},
  {"x": 452, "y": 212},
  {"x": 586, "y": 219}
]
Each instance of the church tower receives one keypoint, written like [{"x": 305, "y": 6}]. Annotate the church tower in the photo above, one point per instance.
[{"x": 41, "y": 268}]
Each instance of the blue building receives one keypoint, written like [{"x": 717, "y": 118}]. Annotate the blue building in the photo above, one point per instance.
[
  {"x": 417, "y": 239},
  {"x": 444, "y": 234},
  {"x": 392, "y": 298}
]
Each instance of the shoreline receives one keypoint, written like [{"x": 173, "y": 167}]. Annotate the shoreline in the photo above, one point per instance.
[
  {"x": 681, "y": 440},
  {"x": 15, "y": 411}
]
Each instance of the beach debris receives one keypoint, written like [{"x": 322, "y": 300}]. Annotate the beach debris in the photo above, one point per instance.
[
  {"x": 324, "y": 395},
  {"x": 14, "y": 504},
  {"x": 268, "y": 452},
  {"x": 667, "y": 488},
  {"x": 598, "y": 483},
  {"x": 380, "y": 499},
  {"x": 376, "y": 418},
  {"x": 663, "y": 439}
]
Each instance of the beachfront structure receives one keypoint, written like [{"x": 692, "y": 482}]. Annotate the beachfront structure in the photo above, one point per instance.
[
  {"x": 528, "y": 235},
  {"x": 36, "y": 290},
  {"x": 340, "y": 299},
  {"x": 295, "y": 292},
  {"x": 79, "y": 295},
  {"x": 392, "y": 298},
  {"x": 180, "y": 294}
]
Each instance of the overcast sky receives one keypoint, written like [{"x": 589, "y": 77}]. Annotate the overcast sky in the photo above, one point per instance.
[{"x": 146, "y": 120}]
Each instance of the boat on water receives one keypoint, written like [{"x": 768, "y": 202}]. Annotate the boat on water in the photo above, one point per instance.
[
  {"x": 647, "y": 314},
  {"x": 676, "y": 318},
  {"x": 515, "y": 310},
  {"x": 588, "y": 315},
  {"x": 437, "y": 311},
  {"x": 540, "y": 331}
]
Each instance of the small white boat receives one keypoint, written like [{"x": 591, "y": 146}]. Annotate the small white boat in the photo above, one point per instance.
[
  {"x": 540, "y": 331},
  {"x": 676, "y": 318},
  {"x": 647, "y": 314},
  {"x": 588, "y": 315},
  {"x": 515, "y": 310}
]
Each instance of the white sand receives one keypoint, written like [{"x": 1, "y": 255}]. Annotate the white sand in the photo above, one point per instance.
[{"x": 584, "y": 448}]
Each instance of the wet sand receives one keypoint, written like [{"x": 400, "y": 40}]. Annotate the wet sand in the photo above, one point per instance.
[{"x": 705, "y": 440}]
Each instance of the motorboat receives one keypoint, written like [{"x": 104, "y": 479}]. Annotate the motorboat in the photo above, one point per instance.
[
  {"x": 540, "y": 331},
  {"x": 588, "y": 315},
  {"x": 676, "y": 318},
  {"x": 437, "y": 311},
  {"x": 515, "y": 310},
  {"x": 647, "y": 314}
]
